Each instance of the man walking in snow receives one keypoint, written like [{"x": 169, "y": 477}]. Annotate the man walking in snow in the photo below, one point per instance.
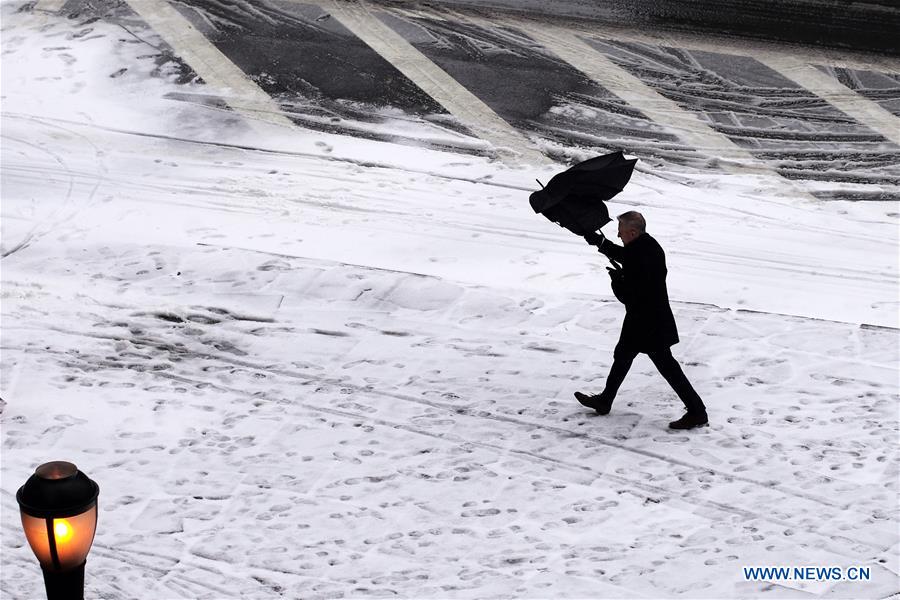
[{"x": 649, "y": 325}]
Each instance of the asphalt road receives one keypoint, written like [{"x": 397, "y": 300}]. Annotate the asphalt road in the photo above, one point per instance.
[
  {"x": 693, "y": 105},
  {"x": 872, "y": 26}
]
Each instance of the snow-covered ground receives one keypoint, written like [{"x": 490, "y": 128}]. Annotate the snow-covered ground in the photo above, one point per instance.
[{"x": 306, "y": 365}]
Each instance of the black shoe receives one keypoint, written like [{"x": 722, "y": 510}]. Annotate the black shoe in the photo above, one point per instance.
[
  {"x": 599, "y": 402},
  {"x": 689, "y": 421}
]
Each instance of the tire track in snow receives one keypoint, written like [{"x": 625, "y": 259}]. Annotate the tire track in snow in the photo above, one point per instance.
[
  {"x": 777, "y": 261},
  {"x": 42, "y": 228}
]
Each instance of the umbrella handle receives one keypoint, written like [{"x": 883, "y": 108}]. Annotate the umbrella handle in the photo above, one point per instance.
[{"x": 539, "y": 183}]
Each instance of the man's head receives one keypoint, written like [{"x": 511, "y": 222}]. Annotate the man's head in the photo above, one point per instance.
[{"x": 631, "y": 225}]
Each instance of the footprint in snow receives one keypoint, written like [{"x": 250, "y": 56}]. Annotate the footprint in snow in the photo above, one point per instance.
[{"x": 484, "y": 512}]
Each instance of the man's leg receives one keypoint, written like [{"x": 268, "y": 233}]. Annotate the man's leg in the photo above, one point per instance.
[
  {"x": 623, "y": 356},
  {"x": 669, "y": 368},
  {"x": 602, "y": 402}
]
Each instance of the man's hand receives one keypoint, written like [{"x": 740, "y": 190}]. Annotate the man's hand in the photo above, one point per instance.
[
  {"x": 616, "y": 273},
  {"x": 595, "y": 238}
]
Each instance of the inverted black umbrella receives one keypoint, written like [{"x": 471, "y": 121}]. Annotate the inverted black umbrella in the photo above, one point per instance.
[{"x": 574, "y": 198}]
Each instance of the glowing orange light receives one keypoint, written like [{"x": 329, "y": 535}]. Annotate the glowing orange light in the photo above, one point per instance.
[
  {"x": 58, "y": 506},
  {"x": 62, "y": 531},
  {"x": 73, "y": 537}
]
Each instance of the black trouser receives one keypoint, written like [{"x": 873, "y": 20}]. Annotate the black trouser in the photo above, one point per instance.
[{"x": 667, "y": 366}]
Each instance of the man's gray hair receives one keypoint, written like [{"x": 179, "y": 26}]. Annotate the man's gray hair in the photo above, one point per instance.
[{"x": 634, "y": 220}]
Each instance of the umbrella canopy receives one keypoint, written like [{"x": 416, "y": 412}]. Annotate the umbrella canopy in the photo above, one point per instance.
[{"x": 574, "y": 198}]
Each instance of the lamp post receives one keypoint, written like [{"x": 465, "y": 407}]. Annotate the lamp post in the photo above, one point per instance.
[{"x": 59, "y": 514}]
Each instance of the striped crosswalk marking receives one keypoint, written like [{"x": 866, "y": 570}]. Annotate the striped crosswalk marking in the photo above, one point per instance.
[
  {"x": 796, "y": 64},
  {"x": 242, "y": 94},
  {"x": 835, "y": 93},
  {"x": 687, "y": 125},
  {"x": 434, "y": 81},
  {"x": 246, "y": 97}
]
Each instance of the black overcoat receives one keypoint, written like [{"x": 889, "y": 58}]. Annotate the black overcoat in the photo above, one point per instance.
[{"x": 649, "y": 324}]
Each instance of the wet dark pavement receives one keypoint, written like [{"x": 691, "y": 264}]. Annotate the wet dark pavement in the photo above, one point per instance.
[
  {"x": 870, "y": 26},
  {"x": 532, "y": 89},
  {"x": 762, "y": 111},
  {"x": 327, "y": 79}
]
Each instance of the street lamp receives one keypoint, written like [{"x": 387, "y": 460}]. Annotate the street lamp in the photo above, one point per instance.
[{"x": 59, "y": 514}]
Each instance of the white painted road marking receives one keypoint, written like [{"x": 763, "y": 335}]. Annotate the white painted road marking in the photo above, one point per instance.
[
  {"x": 794, "y": 63},
  {"x": 435, "y": 82},
  {"x": 52, "y": 6},
  {"x": 246, "y": 97},
  {"x": 687, "y": 125},
  {"x": 835, "y": 93},
  {"x": 241, "y": 94}
]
